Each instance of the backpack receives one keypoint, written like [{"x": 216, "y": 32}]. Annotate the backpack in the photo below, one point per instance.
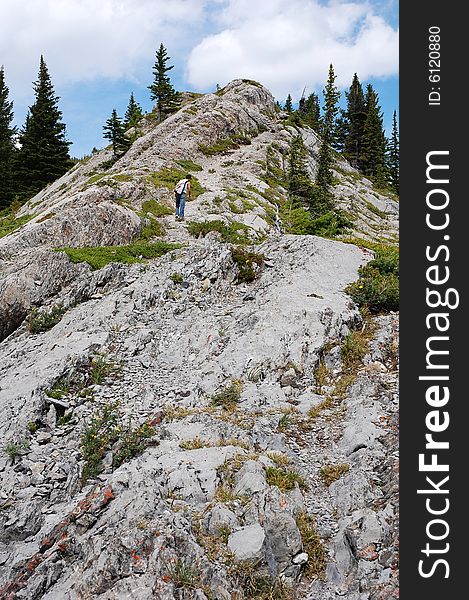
[{"x": 180, "y": 187}]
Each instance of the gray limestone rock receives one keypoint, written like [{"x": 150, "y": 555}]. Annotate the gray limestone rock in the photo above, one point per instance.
[{"x": 247, "y": 544}]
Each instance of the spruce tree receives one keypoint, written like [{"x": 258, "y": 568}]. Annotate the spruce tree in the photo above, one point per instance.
[
  {"x": 7, "y": 147},
  {"x": 299, "y": 183},
  {"x": 393, "y": 156},
  {"x": 330, "y": 111},
  {"x": 162, "y": 91},
  {"x": 356, "y": 116},
  {"x": 114, "y": 131},
  {"x": 44, "y": 153},
  {"x": 341, "y": 131},
  {"x": 289, "y": 104},
  {"x": 312, "y": 111},
  {"x": 133, "y": 114},
  {"x": 374, "y": 141},
  {"x": 324, "y": 177}
]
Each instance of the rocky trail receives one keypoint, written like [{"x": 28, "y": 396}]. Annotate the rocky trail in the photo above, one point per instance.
[{"x": 180, "y": 433}]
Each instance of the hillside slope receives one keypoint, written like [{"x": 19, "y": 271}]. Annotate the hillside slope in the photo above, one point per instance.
[{"x": 174, "y": 433}]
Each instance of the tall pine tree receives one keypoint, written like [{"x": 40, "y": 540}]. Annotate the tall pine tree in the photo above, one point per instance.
[
  {"x": 356, "y": 117},
  {"x": 374, "y": 141},
  {"x": 341, "y": 131},
  {"x": 162, "y": 90},
  {"x": 114, "y": 131},
  {"x": 133, "y": 114},
  {"x": 44, "y": 153},
  {"x": 289, "y": 104},
  {"x": 299, "y": 183},
  {"x": 7, "y": 147},
  {"x": 324, "y": 177},
  {"x": 310, "y": 112},
  {"x": 393, "y": 156},
  {"x": 331, "y": 109}
]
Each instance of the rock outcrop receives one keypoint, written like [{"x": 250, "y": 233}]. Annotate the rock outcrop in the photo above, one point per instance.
[{"x": 170, "y": 435}]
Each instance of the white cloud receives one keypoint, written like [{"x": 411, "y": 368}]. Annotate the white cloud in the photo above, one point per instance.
[
  {"x": 287, "y": 45},
  {"x": 87, "y": 39}
]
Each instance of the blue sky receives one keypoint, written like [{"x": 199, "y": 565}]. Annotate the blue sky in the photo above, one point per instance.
[{"x": 99, "y": 52}]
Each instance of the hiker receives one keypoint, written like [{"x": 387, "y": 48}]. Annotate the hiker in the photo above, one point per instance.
[{"x": 181, "y": 192}]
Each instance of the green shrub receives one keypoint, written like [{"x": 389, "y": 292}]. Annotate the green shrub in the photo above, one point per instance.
[
  {"x": 106, "y": 430},
  {"x": 101, "y": 368},
  {"x": 234, "y": 233},
  {"x": 177, "y": 277},
  {"x": 39, "y": 321},
  {"x": 33, "y": 426},
  {"x": 386, "y": 260},
  {"x": 132, "y": 443},
  {"x": 249, "y": 264},
  {"x": 100, "y": 256},
  {"x": 377, "y": 289},
  {"x": 300, "y": 222},
  {"x": 60, "y": 389}
]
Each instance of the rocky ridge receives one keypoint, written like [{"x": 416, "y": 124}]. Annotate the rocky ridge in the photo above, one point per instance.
[{"x": 242, "y": 387}]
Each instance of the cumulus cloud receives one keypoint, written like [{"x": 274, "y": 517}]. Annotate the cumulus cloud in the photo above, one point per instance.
[
  {"x": 88, "y": 39},
  {"x": 287, "y": 45}
]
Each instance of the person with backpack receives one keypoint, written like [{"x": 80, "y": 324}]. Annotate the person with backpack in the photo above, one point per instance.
[{"x": 181, "y": 192}]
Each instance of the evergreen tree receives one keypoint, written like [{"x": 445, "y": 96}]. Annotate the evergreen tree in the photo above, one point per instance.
[
  {"x": 301, "y": 106},
  {"x": 355, "y": 118},
  {"x": 341, "y": 131},
  {"x": 374, "y": 141},
  {"x": 302, "y": 191},
  {"x": 289, "y": 104},
  {"x": 331, "y": 98},
  {"x": 7, "y": 147},
  {"x": 324, "y": 177},
  {"x": 114, "y": 131},
  {"x": 299, "y": 183},
  {"x": 162, "y": 91},
  {"x": 133, "y": 114},
  {"x": 44, "y": 153},
  {"x": 393, "y": 156},
  {"x": 312, "y": 111}
]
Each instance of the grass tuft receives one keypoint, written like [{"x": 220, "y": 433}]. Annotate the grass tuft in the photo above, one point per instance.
[
  {"x": 228, "y": 397},
  {"x": 316, "y": 565},
  {"x": 284, "y": 479},
  {"x": 331, "y": 473}
]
